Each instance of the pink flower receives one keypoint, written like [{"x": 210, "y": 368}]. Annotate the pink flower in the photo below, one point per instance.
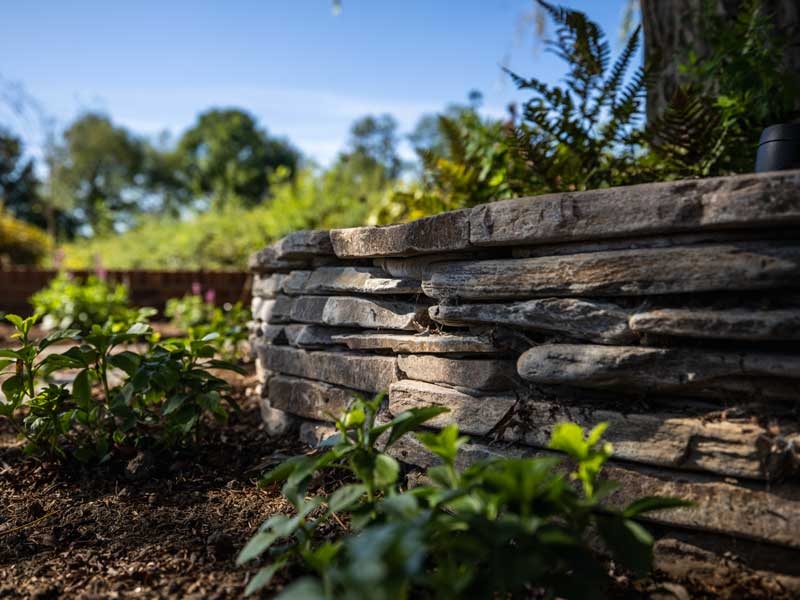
[
  {"x": 196, "y": 288},
  {"x": 211, "y": 296}
]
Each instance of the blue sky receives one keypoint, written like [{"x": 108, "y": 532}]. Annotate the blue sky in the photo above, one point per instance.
[{"x": 303, "y": 72}]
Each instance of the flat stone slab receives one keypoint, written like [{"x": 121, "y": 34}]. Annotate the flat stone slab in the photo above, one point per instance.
[
  {"x": 734, "y": 448},
  {"x": 740, "y": 266},
  {"x": 280, "y": 310},
  {"x": 263, "y": 309},
  {"x": 465, "y": 373},
  {"x": 440, "y": 233},
  {"x": 420, "y": 267},
  {"x": 473, "y": 414},
  {"x": 635, "y": 368},
  {"x": 345, "y": 311},
  {"x": 357, "y": 371},
  {"x": 743, "y": 201},
  {"x": 313, "y": 336},
  {"x": 304, "y": 244},
  {"x": 348, "y": 280},
  {"x": 428, "y": 343},
  {"x": 590, "y": 320},
  {"x": 762, "y": 513},
  {"x": 310, "y": 399},
  {"x": 268, "y": 286},
  {"x": 731, "y": 324}
]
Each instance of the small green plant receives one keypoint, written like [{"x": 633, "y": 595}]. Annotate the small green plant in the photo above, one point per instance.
[
  {"x": 199, "y": 317},
  {"x": 499, "y": 527},
  {"x": 118, "y": 398},
  {"x": 70, "y": 303}
]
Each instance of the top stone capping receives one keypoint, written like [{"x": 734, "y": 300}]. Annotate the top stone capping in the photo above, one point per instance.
[
  {"x": 753, "y": 200},
  {"x": 440, "y": 233},
  {"x": 304, "y": 244}
]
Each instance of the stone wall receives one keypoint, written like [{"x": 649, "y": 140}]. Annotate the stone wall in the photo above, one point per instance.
[{"x": 669, "y": 310}]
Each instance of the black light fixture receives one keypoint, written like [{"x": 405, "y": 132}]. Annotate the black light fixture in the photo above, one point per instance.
[{"x": 779, "y": 148}]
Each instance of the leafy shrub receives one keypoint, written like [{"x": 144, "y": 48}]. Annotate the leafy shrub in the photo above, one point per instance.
[
  {"x": 201, "y": 319},
  {"x": 497, "y": 528},
  {"x": 159, "y": 398},
  {"x": 712, "y": 125},
  {"x": 21, "y": 243},
  {"x": 225, "y": 239},
  {"x": 68, "y": 302}
]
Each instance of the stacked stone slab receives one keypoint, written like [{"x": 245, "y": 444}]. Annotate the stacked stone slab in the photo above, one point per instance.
[{"x": 669, "y": 310}]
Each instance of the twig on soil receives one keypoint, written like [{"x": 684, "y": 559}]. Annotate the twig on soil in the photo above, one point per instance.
[{"x": 26, "y": 525}]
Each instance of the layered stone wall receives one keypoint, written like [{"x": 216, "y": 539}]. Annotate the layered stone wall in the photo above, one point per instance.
[{"x": 669, "y": 310}]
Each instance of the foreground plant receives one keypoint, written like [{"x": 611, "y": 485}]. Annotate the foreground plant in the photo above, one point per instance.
[
  {"x": 199, "y": 317},
  {"x": 500, "y": 526},
  {"x": 119, "y": 398}
]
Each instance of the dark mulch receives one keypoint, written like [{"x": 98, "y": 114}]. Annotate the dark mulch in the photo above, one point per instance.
[{"x": 154, "y": 527}]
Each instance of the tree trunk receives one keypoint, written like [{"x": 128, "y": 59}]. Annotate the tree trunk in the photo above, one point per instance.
[{"x": 672, "y": 28}]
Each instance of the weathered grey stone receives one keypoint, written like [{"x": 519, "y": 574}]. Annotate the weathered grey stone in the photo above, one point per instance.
[
  {"x": 601, "y": 322},
  {"x": 313, "y": 336},
  {"x": 428, "y": 343},
  {"x": 268, "y": 286},
  {"x": 348, "y": 280},
  {"x": 268, "y": 333},
  {"x": 647, "y": 242},
  {"x": 310, "y": 399},
  {"x": 276, "y": 422},
  {"x": 744, "y": 201},
  {"x": 303, "y": 244},
  {"x": 267, "y": 261},
  {"x": 441, "y": 233},
  {"x": 742, "y": 266},
  {"x": 356, "y": 371},
  {"x": 476, "y": 415},
  {"x": 280, "y": 309},
  {"x": 344, "y": 311},
  {"x": 633, "y": 368},
  {"x": 466, "y": 373},
  {"x": 420, "y": 267},
  {"x": 761, "y": 512},
  {"x": 263, "y": 311},
  {"x": 313, "y": 433},
  {"x": 732, "y": 324},
  {"x": 735, "y": 448}
]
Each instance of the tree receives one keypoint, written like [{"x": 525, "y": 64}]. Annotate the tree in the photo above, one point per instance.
[
  {"x": 97, "y": 172},
  {"x": 675, "y": 28},
  {"x": 373, "y": 141},
  {"x": 18, "y": 181},
  {"x": 227, "y": 159}
]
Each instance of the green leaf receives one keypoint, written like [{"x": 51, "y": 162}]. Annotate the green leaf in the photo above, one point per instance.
[
  {"x": 138, "y": 329},
  {"x": 263, "y": 577},
  {"x": 628, "y": 541},
  {"x": 81, "y": 390},
  {"x": 652, "y": 503},
  {"x": 411, "y": 419},
  {"x": 125, "y": 361},
  {"x": 15, "y": 320},
  {"x": 304, "y": 588},
  {"x": 344, "y": 497},
  {"x": 386, "y": 471},
  {"x": 274, "y": 528},
  {"x": 174, "y": 403},
  {"x": 568, "y": 438},
  {"x": 354, "y": 417},
  {"x": 444, "y": 444}
]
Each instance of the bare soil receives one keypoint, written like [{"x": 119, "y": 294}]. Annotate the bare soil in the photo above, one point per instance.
[{"x": 151, "y": 527}]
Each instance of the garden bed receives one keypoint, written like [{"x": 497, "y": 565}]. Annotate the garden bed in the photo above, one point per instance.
[{"x": 166, "y": 527}]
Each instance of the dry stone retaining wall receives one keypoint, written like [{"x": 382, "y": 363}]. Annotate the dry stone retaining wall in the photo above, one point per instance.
[{"x": 669, "y": 310}]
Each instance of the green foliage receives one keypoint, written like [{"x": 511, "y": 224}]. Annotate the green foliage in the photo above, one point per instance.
[
  {"x": 712, "y": 125},
  {"x": 225, "y": 327},
  {"x": 71, "y": 303},
  {"x": 495, "y": 529},
  {"x": 93, "y": 172},
  {"x": 581, "y": 135},
  {"x": 18, "y": 181},
  {"x": 119, "y": 398},
  {"x": 342, "y": 196},
  {"x": 226, "y": 158},
  {"x": 21, "y": 243}
]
